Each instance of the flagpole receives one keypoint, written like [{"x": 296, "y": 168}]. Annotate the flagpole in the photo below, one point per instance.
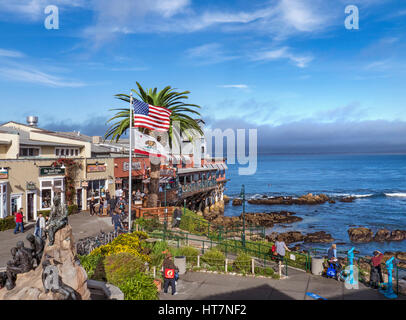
[{"x": 130, "y": 166}]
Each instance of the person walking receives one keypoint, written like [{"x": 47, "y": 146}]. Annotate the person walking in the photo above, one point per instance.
[
  {"x": 376, "y": 272},
  {"x": 39, "y": 226},
  {"x": 112, "y": 203},
  {"x": 281, "y": 249},
  {"x": 169, "y": 269},
  {"x": 115, "y": 220},
  {"x": 332, "y": 259},
  {"x": 91, "y": 206},
  {"x": 101, "y": 204},
  {"x": 19, "y": 217},
  {"x": 105, "y": 206}
]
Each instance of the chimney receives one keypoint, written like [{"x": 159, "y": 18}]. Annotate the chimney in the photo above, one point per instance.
[
  {"x": 32, "y": 121},
  {"x": 97, "y": 139}
]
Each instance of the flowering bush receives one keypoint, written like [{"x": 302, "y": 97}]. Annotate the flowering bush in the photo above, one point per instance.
[{"x": 128, "y": 243}]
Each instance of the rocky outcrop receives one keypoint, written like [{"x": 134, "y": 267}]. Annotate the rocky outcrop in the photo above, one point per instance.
[
  {"x": 309, "y": 199},
  {"x": 237, "y": 202},
  {"x": 366, "y": 235},
  {"x": 29, "y": 285},
  {"x": 288, "y": 237},
  {"x": 347, "y": 199},
  {"x": 296, "y": 236},
  {"x": 226, "y": 199},
  {"x": 360, "y": 234},
  {"x": 318, "y": 237}
]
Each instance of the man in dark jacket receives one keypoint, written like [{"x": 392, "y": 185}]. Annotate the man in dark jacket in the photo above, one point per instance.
[
  {"x": 115, "y": 220},
  {"x": 169, "y": 269},
  {"x": 177, "y": 213},
  {"x": 112, "y": 204}
]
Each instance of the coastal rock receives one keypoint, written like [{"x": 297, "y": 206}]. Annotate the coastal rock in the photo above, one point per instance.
[
  {"x": 226, "y": 199},
  {"x": 401, "y": 256},
  {"x": 318, "y": 237},
  {"x": 360, "y": 234},
  {"x": 309, "y": 199},
  {"x": 347, "y": 199},
  {"x": 398, "y": 235},
  {"x": 288, "y": 237},
  {"x": 382, "y": 235},
  {"x": 29, "y": 285},
  {"x": 269, "y": 219},
  {"x": 332, "y": 201},
  {"x": 237, "y": 202}
]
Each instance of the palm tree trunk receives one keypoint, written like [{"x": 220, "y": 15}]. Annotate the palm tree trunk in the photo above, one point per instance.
[{"x": 154, "y": 182}]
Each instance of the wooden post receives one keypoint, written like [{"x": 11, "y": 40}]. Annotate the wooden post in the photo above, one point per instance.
[
  {"x": 253, "y": 265},
  {"x": 280, "y": 269},
  {"x": 154, "y": 272},
  {"x": 226, "y": 265},
  {"x": 198, "y": 260}
]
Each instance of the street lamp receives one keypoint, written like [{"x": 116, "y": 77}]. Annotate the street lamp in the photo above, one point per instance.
[{"x": 242, "y": 194}]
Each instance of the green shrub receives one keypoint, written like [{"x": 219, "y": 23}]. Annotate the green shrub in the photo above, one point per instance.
[
  {"x": 139, "y": 287},
  {"x": 90, "y": 263},
  {"x": 45, "y": 213},
  {"x": 264, "y": 271},
  {"x": 190, "y": 253},
  {"x": 121, "y": 267},
  {"x": 157, "y": 257},
  {"x": 149, "y": 225},
  {"x": 214, "y": 258},
  {"x": 72, "y": 209},
  {"x": 192, "y": 222},
  {"x": 243, "y": 263},
  {"x": 7, "y": 223}
]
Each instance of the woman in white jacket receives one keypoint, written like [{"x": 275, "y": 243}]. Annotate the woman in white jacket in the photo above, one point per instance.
[{"x": 39, "y": 226}]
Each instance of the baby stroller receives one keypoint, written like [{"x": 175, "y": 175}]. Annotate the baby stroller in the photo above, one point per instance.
[{"x": 335, "y": 271}]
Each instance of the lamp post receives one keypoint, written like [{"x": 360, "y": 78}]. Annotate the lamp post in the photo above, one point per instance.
[
  {"x": 166, "y": 209},
  {"x": 242, "y": 194}
]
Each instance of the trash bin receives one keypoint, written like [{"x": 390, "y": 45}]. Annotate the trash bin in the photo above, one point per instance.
[
  {"x": 180, "y": 262},
  {"x": 317, "y": 265}
]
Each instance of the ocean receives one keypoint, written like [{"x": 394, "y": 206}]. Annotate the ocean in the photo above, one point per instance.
[{"x": 377, "y": 181}]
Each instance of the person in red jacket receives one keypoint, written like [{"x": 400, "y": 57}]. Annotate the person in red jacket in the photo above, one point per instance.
[{"x": 19, "y": 221}]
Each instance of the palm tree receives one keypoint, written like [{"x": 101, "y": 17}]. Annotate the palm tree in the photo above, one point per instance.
[{"x": 167, "y": 98}]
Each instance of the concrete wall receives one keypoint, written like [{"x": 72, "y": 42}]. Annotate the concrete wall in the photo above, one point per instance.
[{"x": 11, "y": 151}]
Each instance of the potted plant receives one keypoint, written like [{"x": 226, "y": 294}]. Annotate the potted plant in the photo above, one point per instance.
[{"x": 158, "y": 283}]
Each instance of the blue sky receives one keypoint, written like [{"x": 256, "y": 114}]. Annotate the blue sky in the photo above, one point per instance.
[{"x": 268, "y": 64}]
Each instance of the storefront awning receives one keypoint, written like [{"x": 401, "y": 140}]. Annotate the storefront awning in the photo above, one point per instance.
[{"x": 161, "y": 180}]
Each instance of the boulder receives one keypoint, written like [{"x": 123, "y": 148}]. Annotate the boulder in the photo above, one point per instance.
[
  {"x": 382, "y": 235},
  {"x": 29, "y": 285},
  {"x": 318, "y": 237},
  {"x": 360, "y": 234},
  {"x": 304, "y": 199},
  {"x": 237, "y": 202},
  {"x": 288, "y": 237},
  {"x": 226, "y": 199},
  {"x": 398, "y": 235},
  {"x": 332, "y": 201}
]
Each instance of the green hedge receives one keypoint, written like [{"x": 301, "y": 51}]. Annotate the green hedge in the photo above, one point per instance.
[
  {"x": 192, "y": 222},
  {"x": 7, "y": 223},
  {"x": 72, "y": 209}
]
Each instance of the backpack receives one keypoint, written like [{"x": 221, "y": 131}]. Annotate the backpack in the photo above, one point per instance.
[{"x": 331, "y": 271}]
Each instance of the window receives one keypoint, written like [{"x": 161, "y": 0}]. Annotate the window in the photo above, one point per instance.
[
  {"x": 29, "y": 152},
  {"x": 96, "y": 188},
  {"x": 66, "y": 152},
  {"x": 3, "y": 200},
  {"x": 47, "y": 194},
  {"x": 46, "y": 197}
]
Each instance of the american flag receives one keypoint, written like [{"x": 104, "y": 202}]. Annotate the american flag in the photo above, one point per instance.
[{"x": 151, "y": 117}]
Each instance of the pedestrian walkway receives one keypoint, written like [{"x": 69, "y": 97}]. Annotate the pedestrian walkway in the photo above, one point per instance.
[
  {"x": 83, "y": 225},
  {"x": 210, "y": 286}
]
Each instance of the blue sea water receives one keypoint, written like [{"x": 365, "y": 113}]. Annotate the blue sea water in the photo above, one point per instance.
[{"x": 378, "y": 182}]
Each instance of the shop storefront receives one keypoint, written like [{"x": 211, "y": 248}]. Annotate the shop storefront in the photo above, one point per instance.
[
  {"x": 121, "y": 173},
  {"x": 51, "y": 181},
  {"x": 3, "y": 199}
]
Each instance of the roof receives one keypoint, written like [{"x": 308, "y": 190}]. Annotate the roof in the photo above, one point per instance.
[
  {"x": 194, "y": 170},
  {"x": 25, "y": 142}
]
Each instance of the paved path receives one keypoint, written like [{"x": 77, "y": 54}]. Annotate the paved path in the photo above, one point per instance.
[
  {"x": 83, "y": 225},
  {"x": 209, "y": 286}
]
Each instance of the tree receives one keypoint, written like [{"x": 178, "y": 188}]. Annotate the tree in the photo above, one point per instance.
[{"x": 181, "y": 112}]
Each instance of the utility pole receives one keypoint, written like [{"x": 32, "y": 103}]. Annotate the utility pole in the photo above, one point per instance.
[{"x": 243, "y": 214}]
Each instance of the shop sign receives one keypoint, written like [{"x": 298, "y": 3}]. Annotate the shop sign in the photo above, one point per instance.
[
  {"x": 85, "y": 184},
  {"x": 3, "y": 173},
  {"x": 51, "y": 171},
  {"x": 31, "y": 186},
  {"x": 135, "y": 166},
  {"x": 96, "y": 168}
]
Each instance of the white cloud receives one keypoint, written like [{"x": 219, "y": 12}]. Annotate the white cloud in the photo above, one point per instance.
[
  {"x": 209, "y": 53},
  {"x": 10, "y": 53},
  {"x": 238, "y": 86},
  {"x": 35, "y": 76},
  {"x": 300, "y": 61}
]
